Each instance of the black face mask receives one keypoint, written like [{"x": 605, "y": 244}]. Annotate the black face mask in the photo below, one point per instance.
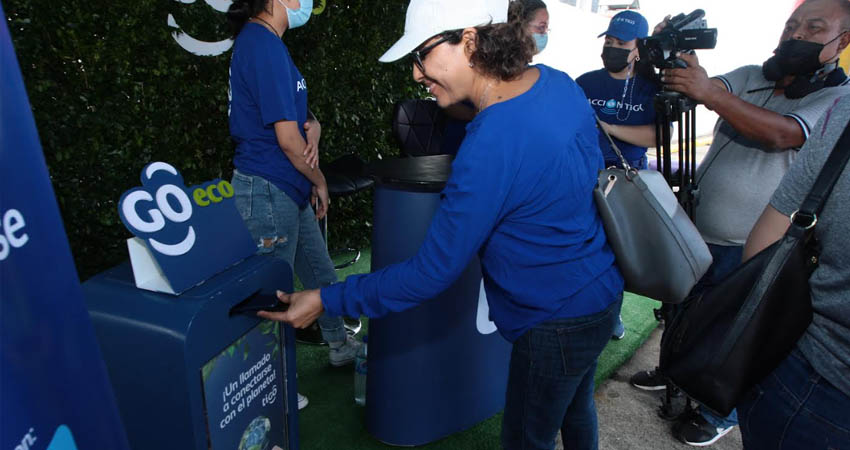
[
  {"x": 615, "y": 59},
  {"x": 794, "y": 57},
  {"x": 805, "y": 85}
]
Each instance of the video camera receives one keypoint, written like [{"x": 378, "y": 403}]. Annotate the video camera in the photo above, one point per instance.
[{"x": 682, "y": 33}]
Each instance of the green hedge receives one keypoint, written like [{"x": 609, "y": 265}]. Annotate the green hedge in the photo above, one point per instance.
[{"x": 111, "y": 91}]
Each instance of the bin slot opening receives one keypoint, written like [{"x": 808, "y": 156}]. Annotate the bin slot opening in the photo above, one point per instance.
[{"x": 258, "y": 301}]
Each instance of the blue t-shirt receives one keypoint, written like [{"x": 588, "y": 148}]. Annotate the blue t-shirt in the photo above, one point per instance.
[
  {"x": 605, "y": 95},
  {"x": 266, "y": 87},
  {"x": 520, "y": 196}
]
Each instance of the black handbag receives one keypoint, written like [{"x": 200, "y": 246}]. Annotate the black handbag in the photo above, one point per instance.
[
  {"x": 658, "y": 249},
  {"x": 732, "y": 336}
]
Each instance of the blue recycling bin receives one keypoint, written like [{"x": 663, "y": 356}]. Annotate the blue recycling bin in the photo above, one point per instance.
[
  {"x": 440, "y": 367},
  {"x": 189, "y": 375}
]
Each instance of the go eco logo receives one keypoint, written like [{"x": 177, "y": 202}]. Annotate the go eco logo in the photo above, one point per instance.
[
  {"x": 161, "y": 210},
  {"x": 204, "y": 48}
]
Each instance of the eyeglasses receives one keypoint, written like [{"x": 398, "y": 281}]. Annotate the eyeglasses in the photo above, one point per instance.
[{"x": 420, "y": 55}]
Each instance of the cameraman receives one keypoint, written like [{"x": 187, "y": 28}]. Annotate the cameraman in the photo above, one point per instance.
[{"x": 766, "y": 114}]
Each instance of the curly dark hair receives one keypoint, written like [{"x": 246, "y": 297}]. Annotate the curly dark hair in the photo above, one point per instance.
[
  {"x": 502, "y": 50},
  {"x": 241, "y": 10}
]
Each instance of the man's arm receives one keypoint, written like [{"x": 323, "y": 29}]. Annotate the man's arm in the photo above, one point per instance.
[{"x": 775, "y": 131}]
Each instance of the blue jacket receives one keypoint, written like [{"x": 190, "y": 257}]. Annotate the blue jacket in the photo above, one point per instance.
[{"x": 520, "y": 196}]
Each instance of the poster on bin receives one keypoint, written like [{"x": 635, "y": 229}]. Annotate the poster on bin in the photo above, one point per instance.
[
  {"x": 244, "y": 393},
  {"x": 54, "y": 390}
]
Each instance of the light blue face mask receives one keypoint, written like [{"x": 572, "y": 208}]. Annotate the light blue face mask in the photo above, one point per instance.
[
  {"x": 298, "y": 17},
  {"x": 540, "y": 40}
]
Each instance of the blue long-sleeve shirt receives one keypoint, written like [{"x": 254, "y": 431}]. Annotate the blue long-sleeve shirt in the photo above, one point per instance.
[{"x": 520, "y": 195}]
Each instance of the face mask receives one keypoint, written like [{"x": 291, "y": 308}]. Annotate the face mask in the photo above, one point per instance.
[
  {"x": 300, "y": 16},
  {"x": 802, "y": 86},
  {"x": 794, "y": 57},
  {"x": 615, "y": 59},
  {"x": 540, "y": 40}
]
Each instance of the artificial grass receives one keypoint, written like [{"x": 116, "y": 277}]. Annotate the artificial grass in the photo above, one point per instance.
[{"x": 333, "y": 421}]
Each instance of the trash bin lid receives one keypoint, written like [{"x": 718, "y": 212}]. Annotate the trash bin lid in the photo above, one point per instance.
[{"x": 428, "y": 173}]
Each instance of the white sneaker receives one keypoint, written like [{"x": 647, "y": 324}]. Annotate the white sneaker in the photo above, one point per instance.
[
  {"x": 302, "y": 401},
  {"x": 342, "y": 353}
]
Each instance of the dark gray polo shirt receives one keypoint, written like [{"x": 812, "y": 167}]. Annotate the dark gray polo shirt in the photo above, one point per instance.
[
  {"x": 737, "y": 175},
  {"x": 826, "y": 343}
]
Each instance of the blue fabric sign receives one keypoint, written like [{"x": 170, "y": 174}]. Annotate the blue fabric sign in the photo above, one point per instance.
[
  {"x": 54, "y": 391},
  {"x": 193, "y": 233}
]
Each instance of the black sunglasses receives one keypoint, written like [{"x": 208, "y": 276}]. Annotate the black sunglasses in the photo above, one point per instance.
[{"x": 420, "y": 55}]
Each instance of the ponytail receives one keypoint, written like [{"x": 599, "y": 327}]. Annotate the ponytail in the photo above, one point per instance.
[{"x": 240, "y": 11}]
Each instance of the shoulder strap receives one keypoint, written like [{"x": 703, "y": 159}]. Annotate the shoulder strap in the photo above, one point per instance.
[
  {"x": 613, "y": 145},
  {"x": 832, "y": 168}
]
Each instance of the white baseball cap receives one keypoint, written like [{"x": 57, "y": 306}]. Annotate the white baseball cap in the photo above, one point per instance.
[{"x": 428, "y": 18}]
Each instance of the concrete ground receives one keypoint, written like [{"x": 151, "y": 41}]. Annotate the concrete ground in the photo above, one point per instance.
[{"x": 628, "y": 417}]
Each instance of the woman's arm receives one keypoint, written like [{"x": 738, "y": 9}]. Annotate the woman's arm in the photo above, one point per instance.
[
  {"x": 313, "y": 130},
  {"x": 292, "y": 143},
  {"x": 641, "y": 135},
  {"x": 770, "y": 227}
]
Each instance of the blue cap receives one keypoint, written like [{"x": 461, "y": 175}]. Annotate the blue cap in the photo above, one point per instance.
[{"x": 626, "y": 26}]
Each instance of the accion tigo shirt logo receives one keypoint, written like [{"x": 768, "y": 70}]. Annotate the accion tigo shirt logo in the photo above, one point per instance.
[
  {"x": 213, "y": 48},
  {"x": 611, "y": 106},
  {"x": 190, "y": 233}
]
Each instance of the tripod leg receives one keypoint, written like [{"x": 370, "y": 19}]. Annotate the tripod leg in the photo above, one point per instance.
[{"x": 692, "y": 191}]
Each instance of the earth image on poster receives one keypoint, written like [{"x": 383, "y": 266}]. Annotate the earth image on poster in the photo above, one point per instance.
[{"x": 255, "y": 436}]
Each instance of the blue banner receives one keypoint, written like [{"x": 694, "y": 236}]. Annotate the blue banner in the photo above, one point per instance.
[{"x": 54, "y": 391}]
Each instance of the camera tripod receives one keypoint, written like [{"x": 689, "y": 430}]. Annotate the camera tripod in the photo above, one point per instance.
[{"x": 673, "y": 107}]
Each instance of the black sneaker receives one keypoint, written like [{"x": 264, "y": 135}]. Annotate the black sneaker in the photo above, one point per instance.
[
  {"x": 696, "y": 431},
  {"x": 648, "y": 380}
]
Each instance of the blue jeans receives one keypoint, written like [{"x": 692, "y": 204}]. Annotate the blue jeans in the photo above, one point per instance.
[
  {"x": 290, "y": 233},
  {"x": 725, "y": 260},
  {"x": 795, "y": 408},
  {"x": 550, "y": 382}
]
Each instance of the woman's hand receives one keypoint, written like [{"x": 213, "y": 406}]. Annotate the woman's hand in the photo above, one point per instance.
[
  {"x": 320, "y": 200},
  {"x": 304, "y": 308},
  {"x": 313, "y": 129}
]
